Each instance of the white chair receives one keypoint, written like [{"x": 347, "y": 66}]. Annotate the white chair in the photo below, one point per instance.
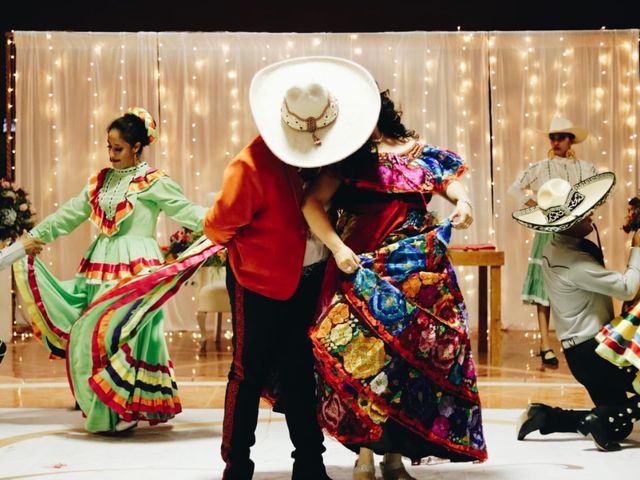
[{"x": 211, "y": 296}]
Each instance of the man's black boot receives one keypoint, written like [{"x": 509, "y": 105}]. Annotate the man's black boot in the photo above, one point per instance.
[{"x": 593, "y": 425}]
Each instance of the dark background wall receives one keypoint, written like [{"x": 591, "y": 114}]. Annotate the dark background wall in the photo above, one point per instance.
[{"x": 307, "y": 16}]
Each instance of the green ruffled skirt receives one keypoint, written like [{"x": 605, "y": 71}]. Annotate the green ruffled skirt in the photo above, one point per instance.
[
  {"x": 118, "y": 365},
  {"x": 533, "y": 289}
]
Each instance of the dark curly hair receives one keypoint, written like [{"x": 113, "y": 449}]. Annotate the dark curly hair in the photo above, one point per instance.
[
  {"x": 389, "y": 121},
  {"x": 132, "y": 130},
  {"x": 391, "y": 126}
]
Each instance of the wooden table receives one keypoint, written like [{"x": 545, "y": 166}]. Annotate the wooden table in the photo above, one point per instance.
[{"x": 491, "y": 333}]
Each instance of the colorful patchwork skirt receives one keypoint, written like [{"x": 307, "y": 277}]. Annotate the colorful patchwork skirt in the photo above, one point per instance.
[
  {"x": 620, "y": 341},
  {"x": 393, "y": 356}
]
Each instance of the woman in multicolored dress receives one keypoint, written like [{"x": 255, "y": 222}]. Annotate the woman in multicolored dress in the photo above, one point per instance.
[
  {"x": 562, "y": 163},
  {"x": 119, "y": 371},
  {"x": 396, "y": 374},
  {"x": 619, "y": 340}
]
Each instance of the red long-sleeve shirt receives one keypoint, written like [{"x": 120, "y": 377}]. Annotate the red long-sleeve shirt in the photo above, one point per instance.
[{"x": 257, "y": 217}]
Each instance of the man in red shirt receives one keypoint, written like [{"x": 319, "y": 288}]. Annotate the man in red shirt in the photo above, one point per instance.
[{"x": 310, "y": 112}]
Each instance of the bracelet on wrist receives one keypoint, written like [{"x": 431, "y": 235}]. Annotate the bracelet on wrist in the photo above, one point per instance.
[{"x": 468, "y": 202}]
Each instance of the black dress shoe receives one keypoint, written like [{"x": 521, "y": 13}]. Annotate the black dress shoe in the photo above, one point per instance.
[
  {"x": 549, "y": 358},
  {"x": 532, "y": 419},
  {"x": 309, "y": 471},
  {"x": 297, "y": 475},
  {"x": 592, "y": 424}
]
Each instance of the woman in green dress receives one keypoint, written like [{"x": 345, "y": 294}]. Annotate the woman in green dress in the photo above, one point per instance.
[
  {"x": 118, "y": 368},
  {"x": 561, "y": 163}
]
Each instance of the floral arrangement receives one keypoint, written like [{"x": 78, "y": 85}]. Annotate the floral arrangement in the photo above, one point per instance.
[
  {"x": 632, "y": 221},
  {"x": 179, "y": 241},
  {"x": 16, "y": 214},
  {"x": 182, "y": 239}
]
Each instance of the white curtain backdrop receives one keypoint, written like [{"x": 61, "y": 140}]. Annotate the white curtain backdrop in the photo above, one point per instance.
[{"x": 70, "y": 85}]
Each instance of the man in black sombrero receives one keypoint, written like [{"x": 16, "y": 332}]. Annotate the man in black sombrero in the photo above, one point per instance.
[{"x": 580, "y": 291}]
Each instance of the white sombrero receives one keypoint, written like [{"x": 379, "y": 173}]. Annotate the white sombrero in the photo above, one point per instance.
[
  {"x": 560, "y": 206},
  {"x": 563, "y": 125},
  {"x": 313, "y": 111}
]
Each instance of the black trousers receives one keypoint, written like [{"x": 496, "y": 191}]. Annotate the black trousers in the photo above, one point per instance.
[
  {"x": 272, "y": 336},
  {"x": 607, "y": 386}
]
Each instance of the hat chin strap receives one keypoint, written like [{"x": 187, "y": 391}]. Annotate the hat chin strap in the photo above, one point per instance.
[{"x": 595, "y": 229}]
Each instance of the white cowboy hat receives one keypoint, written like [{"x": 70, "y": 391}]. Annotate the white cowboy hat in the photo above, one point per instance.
[
  {"x": 563, "y": 125},
  {"x": 313, "y": 111},
  {"x": 560, "y": 205}
]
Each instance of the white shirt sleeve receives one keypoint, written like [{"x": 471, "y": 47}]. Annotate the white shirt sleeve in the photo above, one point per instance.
[
  {"x": 11, "y": 254},
  {"x": 518, "y": 188},
  {"x": 591, "y": 276},
  {"x": 525, "y": 186}
]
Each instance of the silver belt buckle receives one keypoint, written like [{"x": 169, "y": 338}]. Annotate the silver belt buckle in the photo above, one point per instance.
[{"x": 573, "y": 341}]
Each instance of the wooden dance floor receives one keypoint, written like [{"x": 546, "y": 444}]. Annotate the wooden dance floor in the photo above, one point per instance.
[{"x": 41, "y": 436}]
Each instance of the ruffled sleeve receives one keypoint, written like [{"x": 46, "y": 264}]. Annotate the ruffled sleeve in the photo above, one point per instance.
[
  {"x": 521, "y": 189},
  {"x": 64, "y": 220},
  {"x": 431, "y": 171},
  {"x": 168, "y": 195},
  {"x": 589, "y": 168},
  {"x": 443, "y": 167}
]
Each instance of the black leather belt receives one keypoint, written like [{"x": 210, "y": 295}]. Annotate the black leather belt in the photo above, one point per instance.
[{"x": 309, "y": 269}]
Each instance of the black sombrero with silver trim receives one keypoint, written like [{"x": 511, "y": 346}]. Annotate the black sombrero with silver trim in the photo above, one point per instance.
[{"x": 560, "y": 205}]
